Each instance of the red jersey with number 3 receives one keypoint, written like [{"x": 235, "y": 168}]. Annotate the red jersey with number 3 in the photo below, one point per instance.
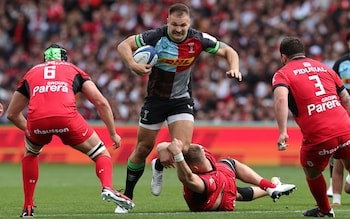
[
  {"x": 313, "y": 99},
  {"x": 51, "y": 89}
]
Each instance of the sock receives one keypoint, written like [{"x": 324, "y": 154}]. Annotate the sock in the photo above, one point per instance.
[
  {"x": 158, "y": 165},
  {"x": 264, "y": 184},
  {"x": 337, "y": 198},
  {"x": 318, "y": 188},
  {"x": 104, "y": 170},
  {"x": 30, "y": 175},
  {"x": 347, "y": 179},
  {"x": 133, "y": 174}
]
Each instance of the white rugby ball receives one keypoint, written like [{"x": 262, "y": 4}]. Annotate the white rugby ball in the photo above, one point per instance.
[{"x": 146, "y": 55}]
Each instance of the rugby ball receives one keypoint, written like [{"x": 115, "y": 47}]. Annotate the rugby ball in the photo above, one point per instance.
[{"x": 146, "y": 55}]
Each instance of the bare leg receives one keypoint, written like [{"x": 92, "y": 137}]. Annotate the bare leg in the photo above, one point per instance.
[
  {"x": 337, "y": 181},
  {"x": 247, "y": 174}
]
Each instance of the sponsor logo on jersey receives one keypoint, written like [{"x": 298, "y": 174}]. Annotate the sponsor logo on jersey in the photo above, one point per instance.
[
  {"x": 50, "y": 131},
  {"x": 329, "y": 102},
  {"x": 51, "y": 86},
  {"x": 178, "y": 61},
  {"x": 308, "y": 68},
  {"x": 331, "y": 151}
]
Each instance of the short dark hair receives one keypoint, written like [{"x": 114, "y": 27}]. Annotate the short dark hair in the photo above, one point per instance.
[
  {"x": 179, "y": 8},
  {"x": 291, "y": 45}
]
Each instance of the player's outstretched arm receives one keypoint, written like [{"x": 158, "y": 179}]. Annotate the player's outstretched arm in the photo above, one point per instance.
[{"x": 232, "y": 59}]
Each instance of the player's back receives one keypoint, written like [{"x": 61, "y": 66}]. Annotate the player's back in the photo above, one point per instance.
[
  {"x": 314, "y": 99},
  {"x": 51, "y": 87}
]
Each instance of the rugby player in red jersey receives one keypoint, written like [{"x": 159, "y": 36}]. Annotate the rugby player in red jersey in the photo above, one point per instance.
[
  {"x": 48, "y": 90},
  {"x": 209, "y": 185},
  {"x": 169, "y": 97},
  {"x": 320, "y": 105}
]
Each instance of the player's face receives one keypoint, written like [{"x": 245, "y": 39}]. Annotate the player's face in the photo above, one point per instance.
[{"x": 178, "y": 27}]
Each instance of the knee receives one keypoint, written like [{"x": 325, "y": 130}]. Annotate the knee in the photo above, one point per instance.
[{"x": 143, "y": 150}]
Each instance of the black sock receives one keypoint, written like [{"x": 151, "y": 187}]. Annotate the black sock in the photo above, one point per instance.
[
  {"x": 132, "y": 177},
  {"x": 158, "y": 165}
]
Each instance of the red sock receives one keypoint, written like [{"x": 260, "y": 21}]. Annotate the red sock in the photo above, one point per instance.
[
  {"x": 104, "y": 170},
  {"x": 30, "y": 175},
  {"x": 318, "y": 188},
  {"x": 264, "y": 184}
]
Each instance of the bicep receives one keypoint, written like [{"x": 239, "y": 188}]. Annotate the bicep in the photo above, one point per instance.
[
  {"x": 189, "y": 179},
  {"x": 196, "y": 184},
  {"x": 91, "y": 92},
  {"x": 128, "y": 42},
  {"x": 17, "y": 103},
  {"x": 223, "y": 50}
]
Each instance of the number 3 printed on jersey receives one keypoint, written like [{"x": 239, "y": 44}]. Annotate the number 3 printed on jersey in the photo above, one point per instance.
[
  {"x": 318, "y": 85},
  {"x": 50, "y": 72}
]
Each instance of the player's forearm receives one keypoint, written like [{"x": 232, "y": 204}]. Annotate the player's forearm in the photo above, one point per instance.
[
  {"x": 281, "y": 111},
  {"x": 107, "y": 117},
  {"x": 125, "y": 51},
  {"x": 18, "y": 120},
  {"x": 230, "y": 54}
]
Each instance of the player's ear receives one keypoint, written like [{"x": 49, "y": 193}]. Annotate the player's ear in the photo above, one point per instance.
[
  {"x": 195, "y": 168},
  {"x": 284, "y": 59}
]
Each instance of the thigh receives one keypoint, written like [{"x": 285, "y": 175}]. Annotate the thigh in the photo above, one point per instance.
[
  {"x": 317, "y": 156},
  {"x": 146, "y": 140},
  {"x": 153, "y": 113},
  {"x": 182, "y": 130},
  {"x": 79, "y": 130},
  {"x": 39, "y": 132}
]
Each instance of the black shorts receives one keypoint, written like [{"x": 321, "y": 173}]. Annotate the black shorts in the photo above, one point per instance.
[
  {"x": 156, "y": 110},
  {"x": 229, "y": 162}
]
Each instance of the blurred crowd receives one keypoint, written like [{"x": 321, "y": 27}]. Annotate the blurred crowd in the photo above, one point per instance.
[{"x": 90, "y": 30}]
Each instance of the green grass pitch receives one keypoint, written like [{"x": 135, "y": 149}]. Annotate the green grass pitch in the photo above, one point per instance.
[{"x": 72, "y": 191}]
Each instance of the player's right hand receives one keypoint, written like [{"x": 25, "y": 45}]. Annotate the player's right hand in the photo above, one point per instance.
[
  {"x": 116, "y": 140},
  {"x": 141, "y": 69}
]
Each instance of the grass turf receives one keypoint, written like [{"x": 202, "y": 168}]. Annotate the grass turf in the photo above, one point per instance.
[{"x": 72, "y": 191}]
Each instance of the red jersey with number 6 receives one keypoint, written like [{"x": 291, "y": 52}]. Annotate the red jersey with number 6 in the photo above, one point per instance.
[
  {"x": 51, "y": 89},
  {"x": 313, "y": 99}
]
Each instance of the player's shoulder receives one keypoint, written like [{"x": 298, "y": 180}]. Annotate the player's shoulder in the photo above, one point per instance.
[
  {"x": 194, "y": 33},
  {"x": 151, "y": 36},
  {"x": 343, "y": 58}
]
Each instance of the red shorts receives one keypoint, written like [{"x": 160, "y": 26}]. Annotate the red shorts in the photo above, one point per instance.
[
  {"x": 317, "y": 156},
  {"x": 229, "y": 195},
  {"x": 71, "y": 130}
]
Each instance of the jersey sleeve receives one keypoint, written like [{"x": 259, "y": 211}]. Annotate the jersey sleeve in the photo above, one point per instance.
[
  {"x": 79, "y": 79},
  {"x": 23, "y": 88},
  {"x": 210, "y": 43},
  {"x": 279, "y": 79},
  {"x": 338, "y": 82},
  {"x": 150, "y": 37}
]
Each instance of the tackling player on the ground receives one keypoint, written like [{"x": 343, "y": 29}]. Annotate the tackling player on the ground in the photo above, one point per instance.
[{"x": 209, "y": 185}]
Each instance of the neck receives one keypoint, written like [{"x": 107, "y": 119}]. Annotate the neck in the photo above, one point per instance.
[{"x": 297, "y": 56}]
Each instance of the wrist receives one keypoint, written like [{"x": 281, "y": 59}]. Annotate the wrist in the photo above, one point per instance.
[{"x": 179, "y": 157}]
